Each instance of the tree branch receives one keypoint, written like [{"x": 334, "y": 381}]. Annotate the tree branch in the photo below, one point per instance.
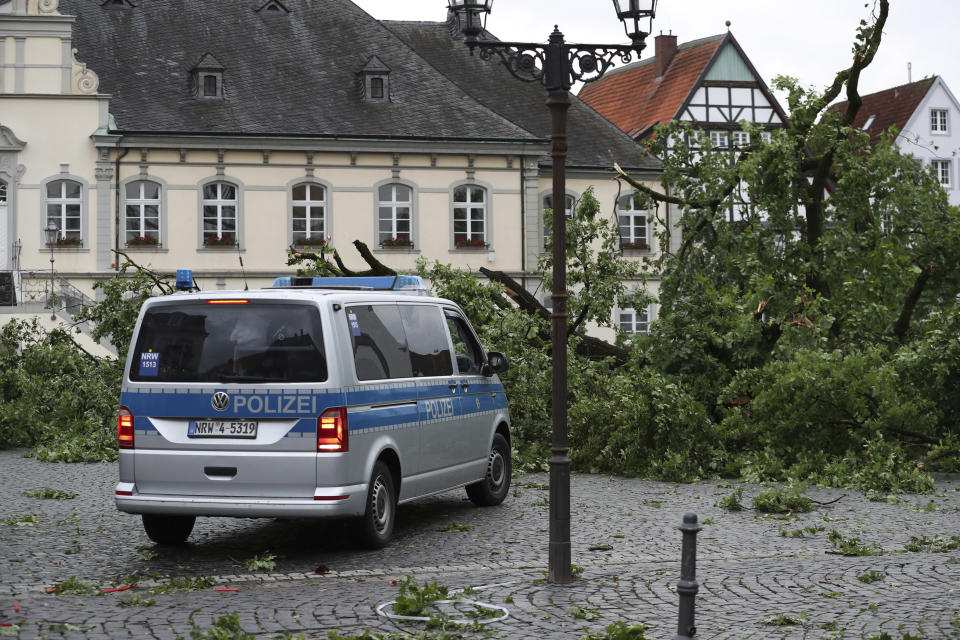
[
  {"x": 157, "y": 282},
  {"x": 816, "y": 220},
  {"x": 943, "y": 454},
  {"x": 910, "y": 303},
  {"x": 589, "y": 346},
  {"x": 922, "y": 437},
  {"x": 644, "y": 189},
  {"x": 523, "y": 298},
  {"x": 377, "y": 268}
]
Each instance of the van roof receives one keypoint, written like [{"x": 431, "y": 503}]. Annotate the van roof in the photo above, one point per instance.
[
  {"x": 398, "y": 283},
  {"x": 343, "y": 296}
]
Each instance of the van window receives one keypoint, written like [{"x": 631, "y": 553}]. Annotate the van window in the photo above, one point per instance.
[
  {"x": 427, "y": 340},
  {"x": 379, "y": 342},
  {"x": 253, "y": 342},
  {"x": 469, "y": 354}
]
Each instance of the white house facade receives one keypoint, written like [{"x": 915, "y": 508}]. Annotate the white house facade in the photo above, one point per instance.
[
  {"x": 926, "y": 118},
  {"x": 133, "y": 128},
  {"x": 933, "y": 134}
]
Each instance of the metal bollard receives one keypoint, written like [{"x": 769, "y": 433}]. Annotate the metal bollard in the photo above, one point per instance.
[{"x": 687, "y": 586}]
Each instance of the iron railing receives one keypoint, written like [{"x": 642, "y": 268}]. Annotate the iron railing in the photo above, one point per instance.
[{"x": 36, "y": 288}]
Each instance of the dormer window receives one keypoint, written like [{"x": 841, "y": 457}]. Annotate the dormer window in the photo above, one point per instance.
[
  {"x": 375, "y": 81},
  {"x": 273, "y": 9},
  {"x": 208, "y": 78},
  {"x": 211, "y": 85},
  {"x": 376, "y": 88}
]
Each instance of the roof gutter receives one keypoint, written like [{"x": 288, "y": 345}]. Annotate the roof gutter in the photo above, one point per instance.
[{"x": 323, "y": 136}]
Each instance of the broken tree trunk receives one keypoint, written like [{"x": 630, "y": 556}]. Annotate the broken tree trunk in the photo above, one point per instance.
[
  {"x": 588, "y": 346},
  {"x": 324, "y": 265}
]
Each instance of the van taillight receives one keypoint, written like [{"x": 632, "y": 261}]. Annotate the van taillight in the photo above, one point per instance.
[
  {"x": 125, "y": 429},
  {"x": 332, "y": 430}
]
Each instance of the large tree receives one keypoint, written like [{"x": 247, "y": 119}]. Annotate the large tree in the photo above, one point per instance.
[{"x": 807, "y": 313}]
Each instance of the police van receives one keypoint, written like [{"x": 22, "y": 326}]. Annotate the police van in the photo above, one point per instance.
[{"x": 317, "y": 397}]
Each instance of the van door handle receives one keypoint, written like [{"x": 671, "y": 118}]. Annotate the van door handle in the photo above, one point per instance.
[
  {"x": 465, "y": 385},
  {"x": 453, "y": 387},
  {"x": 223, "y": 472}
]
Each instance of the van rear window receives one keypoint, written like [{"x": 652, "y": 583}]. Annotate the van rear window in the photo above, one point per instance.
[{"x": 255, "y": 342}]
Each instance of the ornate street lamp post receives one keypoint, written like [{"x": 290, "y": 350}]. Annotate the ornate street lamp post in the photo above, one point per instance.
[
  {"x": 52, "y": 231},
  {"x": 557, "y": 65}
]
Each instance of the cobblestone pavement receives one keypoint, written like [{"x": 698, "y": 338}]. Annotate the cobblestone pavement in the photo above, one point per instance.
[{"x": 753, "y": 570}]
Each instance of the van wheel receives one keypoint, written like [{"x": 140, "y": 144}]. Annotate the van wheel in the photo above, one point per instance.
[
  {"x": 376, "y": 526},
  {"x": 496, "y": 483},
  {"x": 168, "y": 529}
]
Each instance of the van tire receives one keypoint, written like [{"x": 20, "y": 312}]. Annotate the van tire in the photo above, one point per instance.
[
  {"x": 375, "y": 528},
  {"x": 168, "y": 529},
  {"x": 493, "y": 488}
]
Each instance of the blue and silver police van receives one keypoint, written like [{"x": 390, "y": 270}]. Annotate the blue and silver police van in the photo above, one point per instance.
[{"x": 316, "y": 398}]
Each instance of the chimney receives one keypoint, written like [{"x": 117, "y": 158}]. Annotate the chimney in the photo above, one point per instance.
[{"x": 664, "y": 49}]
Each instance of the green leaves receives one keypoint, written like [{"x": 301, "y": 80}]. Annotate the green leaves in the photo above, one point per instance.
[
  {"x": 413, "y": 599},
  {"x": 114, "y": 316},
  {"x": 596, "y": 270},
  {"x": 55, "y": 397},
  {"x": 265, "y": 561}
]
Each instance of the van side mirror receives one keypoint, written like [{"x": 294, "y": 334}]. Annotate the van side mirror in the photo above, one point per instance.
[{"x": 496, "y": 363}]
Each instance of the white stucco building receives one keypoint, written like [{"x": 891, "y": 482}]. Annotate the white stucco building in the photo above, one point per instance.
[
  {"x": 926, "y": 116},
  {"x": 137, "y": 127}
]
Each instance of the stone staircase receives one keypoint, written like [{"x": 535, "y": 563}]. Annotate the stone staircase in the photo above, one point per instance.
[{"x": 35, "y": 299}]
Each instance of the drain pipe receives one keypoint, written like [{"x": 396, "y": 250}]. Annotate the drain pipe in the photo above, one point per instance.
[
  {"x": 523, "y": 222},
  {"x": 116, "y": 212}
]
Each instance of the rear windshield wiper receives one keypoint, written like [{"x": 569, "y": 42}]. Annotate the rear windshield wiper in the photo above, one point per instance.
[{"x": 238, "y": 378}]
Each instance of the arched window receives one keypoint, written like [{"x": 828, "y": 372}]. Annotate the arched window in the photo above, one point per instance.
[
  {"x": 309, "y": 214},
  {"x": 219, "y": 214},
  {"x": 568, "y": 202},
  {"x": 64, "y": 204},
  {"x": 142, "y": 213},
  {"x": 633, "y": 223},
  {"x": 395, "y": 215},
  {"x": 469, "y": 216}
]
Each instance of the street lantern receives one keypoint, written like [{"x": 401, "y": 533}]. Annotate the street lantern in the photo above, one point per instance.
[
  {"x": 471, "y": 16},
  {"x": 52, "y": 231},
  {"x": 632, "y": 13},
  {"x": 557, "y": 66}
]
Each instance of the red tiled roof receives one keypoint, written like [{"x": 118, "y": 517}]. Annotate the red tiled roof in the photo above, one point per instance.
[
  {"x": 634, "y": 100},
  {"x": 890, "y": 107}
]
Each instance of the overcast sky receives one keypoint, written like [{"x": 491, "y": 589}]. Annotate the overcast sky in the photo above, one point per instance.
[{"x": 807, "y": 39}]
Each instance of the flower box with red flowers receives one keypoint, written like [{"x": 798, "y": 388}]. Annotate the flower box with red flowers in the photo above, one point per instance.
[
  {"x": 143, "y": 241},
  {"x": 635, "y": 246},
  {"x": 403, "y": 243},
  {"x": 310, "y": 242},
  {"x": 470, "y": 243},
  {"x": 214, "y": 241},
  {"x": 70, "y": 242}
]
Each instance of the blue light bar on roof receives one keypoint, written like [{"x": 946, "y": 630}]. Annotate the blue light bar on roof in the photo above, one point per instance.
[
  {"x": 407, "y": 284},
  {"x": 184, "y": 280}
]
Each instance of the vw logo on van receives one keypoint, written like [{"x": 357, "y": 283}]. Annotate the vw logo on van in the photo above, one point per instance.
[{"x": 220, "y": 401}]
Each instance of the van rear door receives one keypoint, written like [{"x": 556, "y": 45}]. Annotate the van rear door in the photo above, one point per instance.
[{"x": 226, "y": 395}]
